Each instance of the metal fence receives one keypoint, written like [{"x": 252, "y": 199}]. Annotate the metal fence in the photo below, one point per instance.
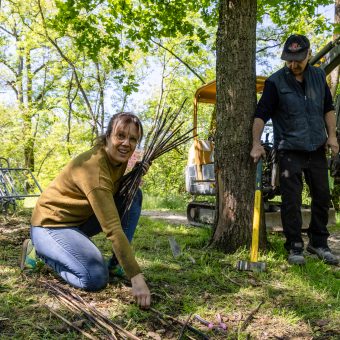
[{"x": 15, "y": 184}]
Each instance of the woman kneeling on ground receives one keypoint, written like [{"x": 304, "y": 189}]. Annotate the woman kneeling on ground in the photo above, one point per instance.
[{"x": 79, "y": 204}]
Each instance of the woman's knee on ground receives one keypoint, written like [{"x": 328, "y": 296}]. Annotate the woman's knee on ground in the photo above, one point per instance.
[{"x": 95, "y": 279}]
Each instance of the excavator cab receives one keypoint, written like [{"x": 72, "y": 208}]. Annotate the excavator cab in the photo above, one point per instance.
[{"x": 200, "y": 173}]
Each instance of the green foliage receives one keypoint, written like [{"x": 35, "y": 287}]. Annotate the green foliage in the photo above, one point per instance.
[
  {"x": 111, "y": 46},
  {"x": 49, "y": 113},
  {"x": 119, "y": 25},
  {"x": 336, "y": 29},
  {"x": 288, "y": 12},
  {"x": 167, "y": 201},
  {"x": 167, "y": 174},
  {"x": 11, "y": 141}
]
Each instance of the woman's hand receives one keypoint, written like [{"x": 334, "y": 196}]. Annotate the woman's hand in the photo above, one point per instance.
[
  {"x": 140, "y": 291},
  {"x": 145, "y": 167}
]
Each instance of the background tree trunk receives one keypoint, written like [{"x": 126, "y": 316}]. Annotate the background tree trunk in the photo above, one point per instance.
[
  {"x": 27, "y": 112},
  {"x": 236, "y": 101}
]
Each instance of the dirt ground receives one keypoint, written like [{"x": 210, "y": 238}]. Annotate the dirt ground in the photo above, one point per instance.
[
  {"x": 264, "y": 327},
  {"x": 180, "y": 218}
]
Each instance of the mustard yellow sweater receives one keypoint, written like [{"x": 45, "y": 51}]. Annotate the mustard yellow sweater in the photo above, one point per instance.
[{"x": 85, "y": 187}]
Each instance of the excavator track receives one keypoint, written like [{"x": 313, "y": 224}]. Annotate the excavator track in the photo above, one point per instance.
[{"x": 201, "y": 213}]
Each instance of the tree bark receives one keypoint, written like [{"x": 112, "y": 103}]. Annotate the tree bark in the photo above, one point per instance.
[
  {"x": 27, "y": 114},
  {"x": 236, "y": 102},
  {"x": 334, "y": 75}
]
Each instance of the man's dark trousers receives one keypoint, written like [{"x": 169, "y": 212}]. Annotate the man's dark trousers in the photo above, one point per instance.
[{"x": 313, "y": 165}]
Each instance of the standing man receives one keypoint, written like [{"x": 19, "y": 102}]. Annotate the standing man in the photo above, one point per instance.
[{"x": 298, "y": 101}]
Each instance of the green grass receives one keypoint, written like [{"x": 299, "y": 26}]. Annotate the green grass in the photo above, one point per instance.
[
  {"x": 297, "y": 302},
  {"x": 170, "y": 202}
]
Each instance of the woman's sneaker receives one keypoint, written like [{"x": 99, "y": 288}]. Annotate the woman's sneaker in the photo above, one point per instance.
[
  {"x": 323, "y": 253},
  {"x": 28, "y": 259},
  {"x": 117, "y": 271}
]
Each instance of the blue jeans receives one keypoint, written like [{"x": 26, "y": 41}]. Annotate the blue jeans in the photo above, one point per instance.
[{"x": 73, "y": 256}]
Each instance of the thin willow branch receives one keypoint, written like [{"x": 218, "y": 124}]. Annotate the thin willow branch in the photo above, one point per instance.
[
  {"x": 76, "y": 304},
  {"x": 71, "y": 64},
  {"x": 87, "y": 335}
]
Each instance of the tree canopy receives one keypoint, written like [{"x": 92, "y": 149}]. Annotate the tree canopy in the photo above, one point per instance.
[{"x": 69, "y": 64}]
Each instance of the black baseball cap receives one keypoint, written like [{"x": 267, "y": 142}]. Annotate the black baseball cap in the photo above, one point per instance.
[{"x": 296, "y": 48}]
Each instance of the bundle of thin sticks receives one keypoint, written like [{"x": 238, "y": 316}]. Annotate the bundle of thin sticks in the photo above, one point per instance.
[
  {"x": 100, "y": 326},
  {"x": 76, "y": 304},
  {"x": 164, "y": 136}
]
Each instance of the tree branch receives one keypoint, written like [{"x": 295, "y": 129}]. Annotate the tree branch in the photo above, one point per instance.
[
  {"x": 45, "y": 89},
  {"x": 12, "y": 85},
  {"x": 11, "y": 68},
  {"x": 42, "y": 66},
  {"x": 8, "y": 32},
  {"x": 267, "y": 48},
  {"x": 44, "y": 159},
  {"x": 181, "y": 60},
  {"x": 61, "y": 53}
]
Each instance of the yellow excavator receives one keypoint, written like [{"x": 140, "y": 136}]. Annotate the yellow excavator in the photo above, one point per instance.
[{"x": 200, "y": 174}]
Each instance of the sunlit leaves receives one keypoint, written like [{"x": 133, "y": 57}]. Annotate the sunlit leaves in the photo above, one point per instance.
[
  {"x": 118, "y": 23},
  {"x": 336, "y": 28},
  {"x": 286, "y": 13}
]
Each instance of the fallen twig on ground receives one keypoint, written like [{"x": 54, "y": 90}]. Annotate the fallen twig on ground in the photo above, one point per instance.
[
  {"x": 184, "y": 327},
  {"x": 191, "y": 328},
  {"x": 87, "y": 335},
  {"x": 76, "y": 304},
  {"x": 233, "y": 281},
  {"x": 250, "y": 317}
]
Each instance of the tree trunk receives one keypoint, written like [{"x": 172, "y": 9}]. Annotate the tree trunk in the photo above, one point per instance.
[
  {"x": 334, "y": 75},
  {"x": 334, "y": 81},
  {"x": 101, "y": 107},
  {"x": 27, "y": 114},
  {"x": 236, "y": 102}
]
